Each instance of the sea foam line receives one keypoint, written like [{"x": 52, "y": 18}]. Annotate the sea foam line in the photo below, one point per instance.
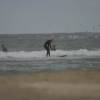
[{"x": 42, "y": 53}]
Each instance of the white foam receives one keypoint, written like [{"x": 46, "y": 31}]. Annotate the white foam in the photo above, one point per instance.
[{"x": 57, "y": 53}]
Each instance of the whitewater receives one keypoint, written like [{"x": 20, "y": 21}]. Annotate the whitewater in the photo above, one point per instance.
[{"x": 82, "y": 53}]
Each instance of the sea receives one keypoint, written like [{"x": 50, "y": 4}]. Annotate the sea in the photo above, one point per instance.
[{"x": 26, "y": 53}]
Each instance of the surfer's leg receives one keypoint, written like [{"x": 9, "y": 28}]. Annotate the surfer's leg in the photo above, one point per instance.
[{"x": 48, "y": 52}]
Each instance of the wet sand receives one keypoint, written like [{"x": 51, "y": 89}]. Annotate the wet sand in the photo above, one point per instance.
[{"x": 63, "y": 85}]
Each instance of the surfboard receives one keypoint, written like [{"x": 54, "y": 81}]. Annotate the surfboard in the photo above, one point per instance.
[{"x": 62, "y": 56}]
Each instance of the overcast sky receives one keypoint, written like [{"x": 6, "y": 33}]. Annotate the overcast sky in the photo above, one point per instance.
[{"x": 47, "y": 16}]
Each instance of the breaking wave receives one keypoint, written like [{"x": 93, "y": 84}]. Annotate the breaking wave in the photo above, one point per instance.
[{"x": 57, "y": 53}]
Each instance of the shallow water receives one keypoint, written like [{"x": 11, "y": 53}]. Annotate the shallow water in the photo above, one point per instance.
[{"x": 26, "y": 52}]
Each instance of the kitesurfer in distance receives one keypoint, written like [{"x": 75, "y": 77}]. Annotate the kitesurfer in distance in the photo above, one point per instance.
[
  {"x": 4, "y": 49},
  {"x": 47, "y": 46}
]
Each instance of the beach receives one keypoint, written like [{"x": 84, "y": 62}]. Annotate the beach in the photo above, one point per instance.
[
  {"x": 60, "y": 85},
  {"x": 50, "y": 50}
]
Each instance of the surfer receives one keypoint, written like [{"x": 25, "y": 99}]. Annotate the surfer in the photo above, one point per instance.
[
  {"x": 4, "y": 49},
  {"x": 47, "y": 46}
]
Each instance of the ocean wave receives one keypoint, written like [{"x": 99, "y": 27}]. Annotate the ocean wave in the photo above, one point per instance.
[{"x": 57, "y": 53}]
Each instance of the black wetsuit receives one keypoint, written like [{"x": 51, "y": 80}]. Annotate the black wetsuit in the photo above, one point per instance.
[{"x": 47, "y": 46}]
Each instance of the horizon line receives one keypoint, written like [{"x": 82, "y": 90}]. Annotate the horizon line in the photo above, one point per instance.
[{"x": 51, "y": 33}]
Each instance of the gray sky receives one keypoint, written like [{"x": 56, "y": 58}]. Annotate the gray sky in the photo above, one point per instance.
[{"x": 47, "y": 16}]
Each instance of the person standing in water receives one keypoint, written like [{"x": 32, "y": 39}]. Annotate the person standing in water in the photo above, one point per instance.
[
  {"x": 47, "y": 46},
  {"x": 4, "y": 49}
]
